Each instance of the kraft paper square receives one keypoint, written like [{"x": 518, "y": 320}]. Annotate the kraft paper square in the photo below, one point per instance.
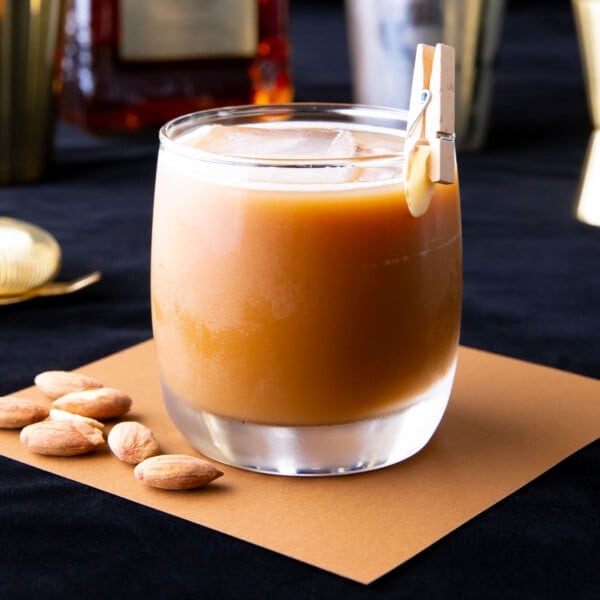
[{"x": 507, "y": 422}]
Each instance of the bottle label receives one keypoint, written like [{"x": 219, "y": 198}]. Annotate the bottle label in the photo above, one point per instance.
[{"x": 187, "y": 29}]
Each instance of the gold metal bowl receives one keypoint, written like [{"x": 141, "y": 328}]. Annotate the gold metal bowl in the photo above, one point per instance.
[{"x": 29, "y": 256}]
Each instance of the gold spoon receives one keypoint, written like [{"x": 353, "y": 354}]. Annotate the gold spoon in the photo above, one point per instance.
[
  {"x": 55, "y": 288},
  {"x": 29, "y": 260}
]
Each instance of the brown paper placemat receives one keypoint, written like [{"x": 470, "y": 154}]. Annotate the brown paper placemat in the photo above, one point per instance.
[{"x": 508, "y": 421}]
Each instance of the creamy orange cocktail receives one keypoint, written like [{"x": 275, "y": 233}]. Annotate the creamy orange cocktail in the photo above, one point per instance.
[{"x": 300, "y": 296}]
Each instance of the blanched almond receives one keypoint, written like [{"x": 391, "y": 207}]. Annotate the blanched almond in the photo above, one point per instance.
[
  {"x": 176, "y": 472},
  {"x": 58, "y": 383},
  {"x": 132, "y": 442},
  {"x": 419, "y": 189},
  {"x": 62, "y": 415},
  {"x": 100, "y": 403},
  {"x": 61, "y": 438},
  {"x": 16, "y": 412}
]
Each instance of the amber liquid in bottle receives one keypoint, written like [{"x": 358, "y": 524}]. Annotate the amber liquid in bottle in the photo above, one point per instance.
[{"x": 129, "y": 66}]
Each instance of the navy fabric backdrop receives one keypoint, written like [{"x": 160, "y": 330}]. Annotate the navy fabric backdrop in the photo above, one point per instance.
[{"x": 532, "y": 291}]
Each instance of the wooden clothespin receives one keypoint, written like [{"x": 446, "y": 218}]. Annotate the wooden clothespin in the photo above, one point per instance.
[{"x": 431, "y": 110}]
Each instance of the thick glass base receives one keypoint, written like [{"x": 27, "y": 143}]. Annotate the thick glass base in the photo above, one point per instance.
[{"x": 315, "y": 450}]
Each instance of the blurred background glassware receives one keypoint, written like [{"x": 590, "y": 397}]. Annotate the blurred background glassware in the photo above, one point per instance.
[
  {"x": 30, "y": 46},
  {"x": 587, "y": 20},
  {"x": 134, "y": 64},
  {"x": 383, "y": 35}
]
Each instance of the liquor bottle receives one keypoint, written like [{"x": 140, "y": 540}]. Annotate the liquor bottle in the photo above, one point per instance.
[{"x": 134, "y": 64}]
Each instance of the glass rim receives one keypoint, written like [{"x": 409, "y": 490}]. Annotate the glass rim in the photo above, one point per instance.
[{"x": 361, "y": 116}]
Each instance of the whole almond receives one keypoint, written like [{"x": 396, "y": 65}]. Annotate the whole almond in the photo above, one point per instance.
[
  {"x": 62, "y": 415},
  {"x": 61, "y": 438},
  {"x": 100, "y": 403},
  {"x": 58, "y": 383},
  {"x": 16, "y": 412},
  {"x": 176, "y": 472},
  {"x": 132, "y": 442}
]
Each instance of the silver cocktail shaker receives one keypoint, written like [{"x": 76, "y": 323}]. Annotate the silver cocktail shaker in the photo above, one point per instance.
[{"x": 382, "y": 37}]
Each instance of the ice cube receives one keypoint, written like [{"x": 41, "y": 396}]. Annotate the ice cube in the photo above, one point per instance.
[
  {"x": 273, "y": 143},
  {"x": 261, "y": 143}
]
